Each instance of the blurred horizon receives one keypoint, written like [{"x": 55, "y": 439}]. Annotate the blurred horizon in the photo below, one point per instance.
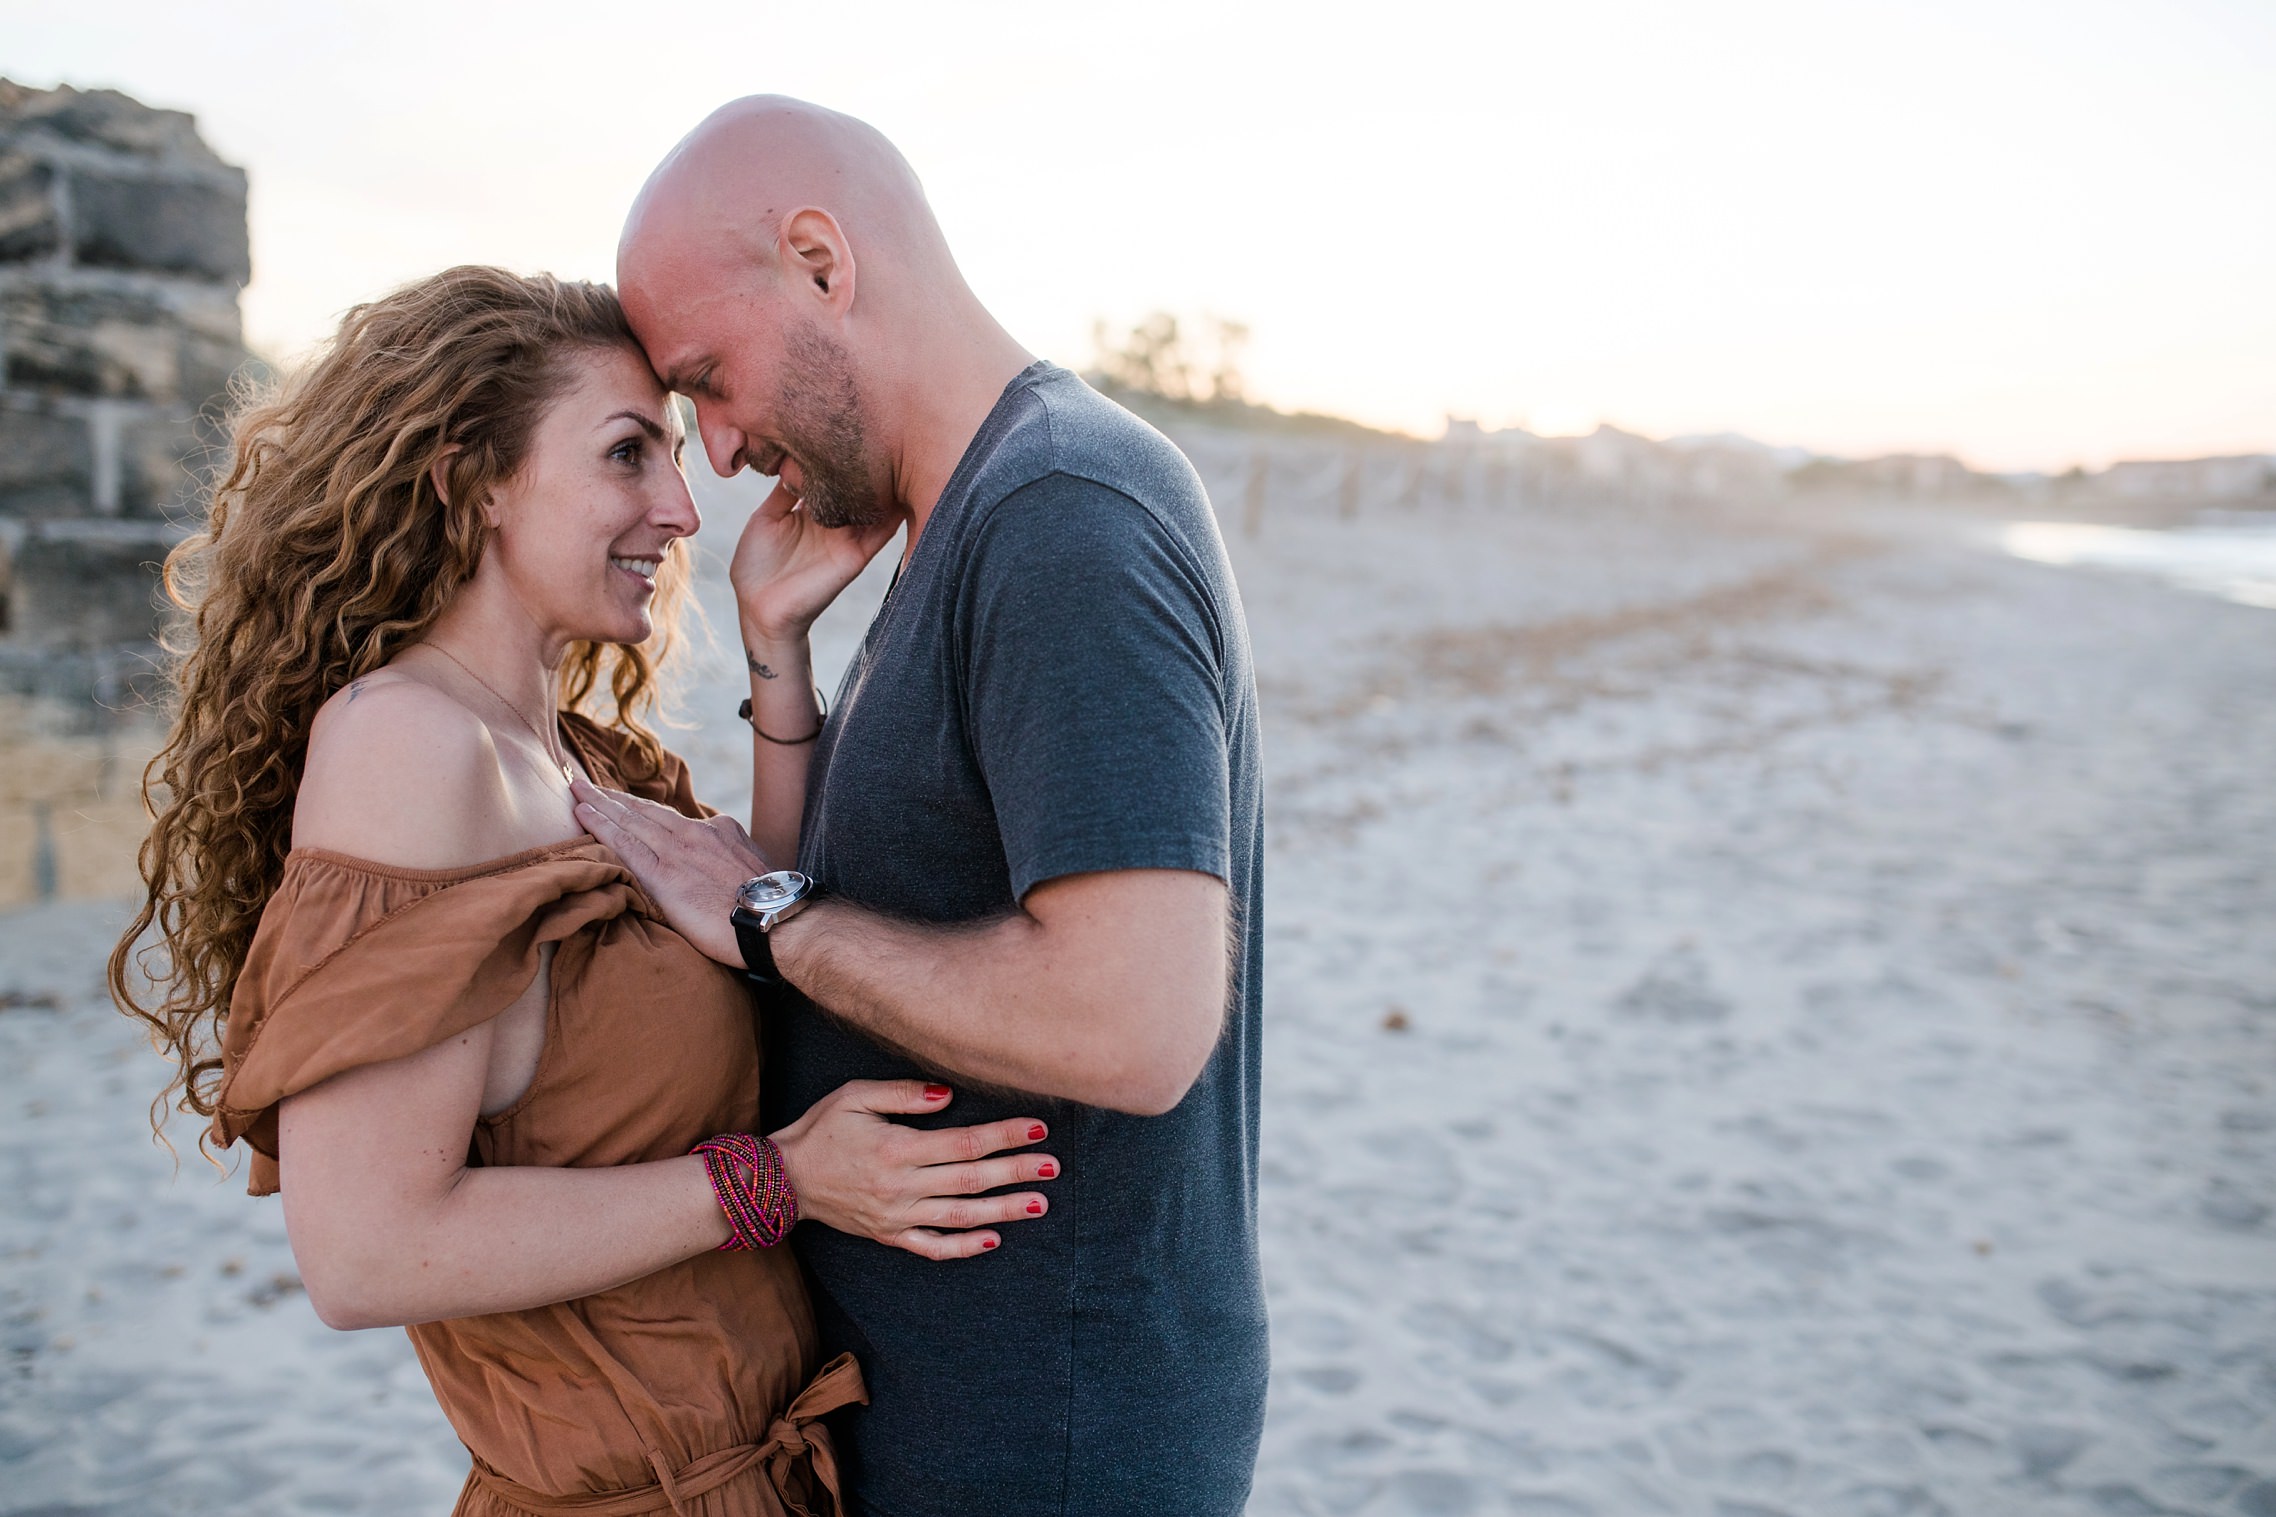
[{"x": 2030, "y": 235}]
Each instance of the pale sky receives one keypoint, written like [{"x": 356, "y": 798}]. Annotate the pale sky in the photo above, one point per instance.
[{"x": 2033, "y": 232}]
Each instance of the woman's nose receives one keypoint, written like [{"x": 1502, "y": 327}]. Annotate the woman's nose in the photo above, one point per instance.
[{"x": 676, "y": 512}]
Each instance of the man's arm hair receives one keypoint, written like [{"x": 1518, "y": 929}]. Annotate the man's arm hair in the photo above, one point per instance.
[{"x": 1107, "y": 989}]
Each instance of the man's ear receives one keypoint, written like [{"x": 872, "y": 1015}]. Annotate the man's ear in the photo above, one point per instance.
[{"x": 814, "y": 250}]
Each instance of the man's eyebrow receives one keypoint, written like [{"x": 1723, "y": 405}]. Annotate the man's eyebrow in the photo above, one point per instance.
[{"x": 646, "y": 424}]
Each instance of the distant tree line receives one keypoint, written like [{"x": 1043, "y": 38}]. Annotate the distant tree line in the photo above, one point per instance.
[
  {"x": 1162, "y": 367},
  {"x": 1195, "y": 365}
]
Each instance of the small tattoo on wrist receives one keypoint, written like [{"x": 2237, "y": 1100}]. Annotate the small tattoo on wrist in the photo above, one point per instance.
[{"x": 757, "y": 668}]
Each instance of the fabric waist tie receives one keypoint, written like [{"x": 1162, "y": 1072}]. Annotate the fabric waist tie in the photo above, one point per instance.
[{"x": 838, "y": 1385}]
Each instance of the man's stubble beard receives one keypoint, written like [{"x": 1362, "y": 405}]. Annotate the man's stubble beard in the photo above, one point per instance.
[{"x": 820, "y": 407}]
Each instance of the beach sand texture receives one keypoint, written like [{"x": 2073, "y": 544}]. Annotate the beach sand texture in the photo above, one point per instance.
[{"x": 1768, "y": 1013}]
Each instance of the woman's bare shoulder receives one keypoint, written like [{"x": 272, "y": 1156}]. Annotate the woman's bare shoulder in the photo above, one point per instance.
[{"x": 399, "y": 773}]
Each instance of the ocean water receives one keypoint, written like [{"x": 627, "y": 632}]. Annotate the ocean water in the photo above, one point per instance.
[{"x": 2235, "y": 560}]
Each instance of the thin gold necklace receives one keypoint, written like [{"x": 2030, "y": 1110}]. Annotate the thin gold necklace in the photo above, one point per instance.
[{"x": 551, "y": 747}]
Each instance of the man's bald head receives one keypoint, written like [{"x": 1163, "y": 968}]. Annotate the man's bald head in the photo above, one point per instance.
[
  {"x": 718, "y": 202},
  {"x": 783, "y": 270}
]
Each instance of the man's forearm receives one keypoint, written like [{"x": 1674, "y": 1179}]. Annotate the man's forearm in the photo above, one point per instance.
[
  {"x": 1013, "y": 1002},
  {"x": 1106, "y": 988},
  {"x": 928, "y": 991}
]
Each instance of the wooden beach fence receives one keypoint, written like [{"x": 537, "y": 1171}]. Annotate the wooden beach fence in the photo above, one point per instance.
[
  {"x": 1260, "y": 478},
  {"x": 1256, "y": 479},
  {"x": 1418, "y": 480}
]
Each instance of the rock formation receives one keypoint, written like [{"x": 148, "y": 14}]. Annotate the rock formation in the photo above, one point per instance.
[{"x": 122, "y": 251}]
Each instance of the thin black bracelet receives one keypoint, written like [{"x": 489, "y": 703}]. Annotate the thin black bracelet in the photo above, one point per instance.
[{"x": 821, "y": 703}]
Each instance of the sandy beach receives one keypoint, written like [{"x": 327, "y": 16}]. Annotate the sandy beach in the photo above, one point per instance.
[{"x": 1771, "y": 1013}]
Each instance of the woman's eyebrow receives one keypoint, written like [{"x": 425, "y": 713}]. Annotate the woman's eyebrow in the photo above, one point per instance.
[{"x": 646, "y": 425}]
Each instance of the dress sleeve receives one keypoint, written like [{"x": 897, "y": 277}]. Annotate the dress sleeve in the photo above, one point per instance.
[
  {"x": 669, "y": 781},
  {"x": 1093, "y": 669},
  {"x": 357, "y": 964}
]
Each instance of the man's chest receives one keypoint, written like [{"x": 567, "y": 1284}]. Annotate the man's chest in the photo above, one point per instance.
[{"x": 900, "y": 816}]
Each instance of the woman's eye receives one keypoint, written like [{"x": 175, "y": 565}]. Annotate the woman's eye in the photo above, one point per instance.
[{"x": 627, "y": 451}]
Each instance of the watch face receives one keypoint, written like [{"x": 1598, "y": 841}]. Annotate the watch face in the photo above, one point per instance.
[{"x": 771, "y": 890}]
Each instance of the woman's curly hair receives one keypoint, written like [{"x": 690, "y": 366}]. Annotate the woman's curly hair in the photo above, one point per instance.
[{"x": 327, "y": 550}]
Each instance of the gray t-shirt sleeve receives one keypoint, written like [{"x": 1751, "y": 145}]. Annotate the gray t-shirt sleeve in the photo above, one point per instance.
[{"x": 1092, "y": 666}]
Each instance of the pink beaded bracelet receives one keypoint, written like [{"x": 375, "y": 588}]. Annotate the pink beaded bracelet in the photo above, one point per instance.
[{"x": 752, "y": 1187}]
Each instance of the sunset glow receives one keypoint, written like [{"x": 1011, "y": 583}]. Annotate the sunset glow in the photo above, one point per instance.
[{"x": 2034, "y": 234}]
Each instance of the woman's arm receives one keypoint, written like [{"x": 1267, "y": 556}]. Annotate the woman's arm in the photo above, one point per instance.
[{"x": 390, "y": 1225}]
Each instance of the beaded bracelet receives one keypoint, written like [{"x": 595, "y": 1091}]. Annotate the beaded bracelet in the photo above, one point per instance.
[{"x": 752, "y": 1187}]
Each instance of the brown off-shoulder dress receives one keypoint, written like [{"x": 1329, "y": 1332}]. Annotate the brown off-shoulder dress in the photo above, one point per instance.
[{"x": 693, "y": 1391}]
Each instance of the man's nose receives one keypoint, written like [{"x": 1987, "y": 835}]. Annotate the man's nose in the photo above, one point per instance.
[{"x": 721, "y": 444}]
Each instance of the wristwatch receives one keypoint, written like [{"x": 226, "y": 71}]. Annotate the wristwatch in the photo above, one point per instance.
[{"x": 765, "y": 902}]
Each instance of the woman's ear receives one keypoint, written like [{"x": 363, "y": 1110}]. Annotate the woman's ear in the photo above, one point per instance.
[
  {"x": 438, "y": 472},
  {"x": 438, "y": 475}
]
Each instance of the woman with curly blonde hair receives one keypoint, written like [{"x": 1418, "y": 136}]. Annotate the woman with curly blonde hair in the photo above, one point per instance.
[{"x": 505, "y": 1104}]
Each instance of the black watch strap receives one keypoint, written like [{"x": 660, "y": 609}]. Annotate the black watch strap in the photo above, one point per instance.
[{"x": 758, "y": 953}]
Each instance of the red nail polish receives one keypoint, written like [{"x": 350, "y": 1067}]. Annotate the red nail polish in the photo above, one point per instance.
[
  {"x": 1047, "y": 1170},
  {"x": 987, "y": 1243},
  {"x": 1035, "y": 1134},
  {"x": 936, "y": 1092},
  {"x": 1035, "y": 1208}
]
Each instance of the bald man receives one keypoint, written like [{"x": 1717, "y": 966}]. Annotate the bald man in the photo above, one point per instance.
[{"x": 1030, "y": 830}]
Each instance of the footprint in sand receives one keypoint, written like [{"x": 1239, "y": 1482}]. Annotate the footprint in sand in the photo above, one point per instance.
[
  {"x": 1676, "y": 989},
  {"x": 1431, "y": 1493}
]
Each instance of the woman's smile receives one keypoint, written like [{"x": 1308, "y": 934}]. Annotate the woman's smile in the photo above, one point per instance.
[{"x": 641, "y": 569}]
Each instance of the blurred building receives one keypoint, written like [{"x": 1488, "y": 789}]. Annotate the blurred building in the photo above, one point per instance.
[
  {"x": 1612, "y": 464},
  {"x": 2233, "y": 478}
]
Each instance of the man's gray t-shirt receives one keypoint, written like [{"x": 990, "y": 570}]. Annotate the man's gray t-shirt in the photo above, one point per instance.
[{"x": 1058, "y": 683}]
